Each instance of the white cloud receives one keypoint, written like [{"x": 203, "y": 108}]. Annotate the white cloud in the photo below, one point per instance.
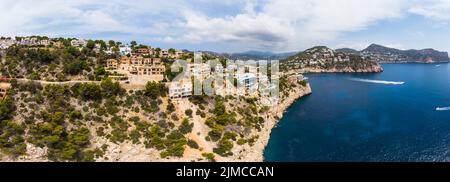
[
  {"x": 78, "y": 17},
  {"x": 436, "y": 9},
  {"x": 280, "y": 25},
  {"x": 287, "y": 24}
]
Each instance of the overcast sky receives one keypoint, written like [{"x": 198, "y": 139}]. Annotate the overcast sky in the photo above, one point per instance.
[{"x": 236, "y": 25}]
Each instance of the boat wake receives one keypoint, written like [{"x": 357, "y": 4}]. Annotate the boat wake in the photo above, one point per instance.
[
  {"x": 442, "y": 108},
  {"x": 377, "y": 81}
]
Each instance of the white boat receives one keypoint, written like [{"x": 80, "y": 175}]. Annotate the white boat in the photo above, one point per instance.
[{"x": 442, "y": 108}]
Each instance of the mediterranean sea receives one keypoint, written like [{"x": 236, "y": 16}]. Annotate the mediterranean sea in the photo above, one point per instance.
[{"x": 401, "y": 114}]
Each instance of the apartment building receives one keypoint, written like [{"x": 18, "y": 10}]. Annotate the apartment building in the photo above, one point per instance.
[
  {"x": 142, "y": 66},
  {"x": 124, "y": 50},
  {"x": 176, "y": 55},
  {"x": 143, "y": 52},
  {"x": 112, "y": 64},
  {"x": 199, "y": 69}
]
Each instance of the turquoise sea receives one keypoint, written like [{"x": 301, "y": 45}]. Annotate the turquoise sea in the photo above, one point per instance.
[{"x": 402, "y": 114}]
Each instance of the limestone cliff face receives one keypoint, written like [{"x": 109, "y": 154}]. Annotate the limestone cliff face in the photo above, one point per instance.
[{"x": 326, "y": 60}]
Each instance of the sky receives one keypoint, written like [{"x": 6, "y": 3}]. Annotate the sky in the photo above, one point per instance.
[{"x": 236, "y": 25}]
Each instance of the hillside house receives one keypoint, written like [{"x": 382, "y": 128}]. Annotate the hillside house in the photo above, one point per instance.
[
  {"x": 180, "y": 89},
  {"x": 138, "y": 70},
  {"x": 6, "y": 43},
  {"x": 143, "y": 52},
  {"x": 78, "y": 43},
  {"x": 199, "y": 69},
  {"x": 176, "y": 55},
  {"x": 44, "y": 42},
  {"x": 28, "y": 41},
  {"x": 124, "y": 50},
  {"x": 112, "y": 64},
  {"x": 247, "y": 80},
  {"x": 164, "y": 53},
  {"x": 142, "y": 66}
]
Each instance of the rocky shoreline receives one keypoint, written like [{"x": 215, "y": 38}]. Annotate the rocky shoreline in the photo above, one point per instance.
[
  {"x": 414, "y": 62},
  {"x": 373, "y": 69},
  {"x": 256, "y": 152}
]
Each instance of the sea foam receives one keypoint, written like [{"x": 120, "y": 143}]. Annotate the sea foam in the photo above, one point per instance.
[
  {"x": 377, "y": 81},
  {"x": 442, "y": 108}
]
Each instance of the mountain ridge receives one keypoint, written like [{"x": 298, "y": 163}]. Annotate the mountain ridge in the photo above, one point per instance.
[
  {"x": 321, "y": 59},
  {"x": 384, "y": 54}
]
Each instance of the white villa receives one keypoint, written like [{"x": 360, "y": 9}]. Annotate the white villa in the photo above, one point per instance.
[
  {"x": 143, "y": 52},
  {"x": 164, "y": 53},
  {"x": 198, "y": 69},
  {"x": 167, "y": 54},
  {"x": 78, "y": 43},
  {"x": 180, "y": 89},
  {"x": 248, "y": 80},
  {"x": 112, "y": 64},
  {"x": 177, "y": 55},
  {"x": 124, "y": 50},
  {"x": 27, "y": 41}
]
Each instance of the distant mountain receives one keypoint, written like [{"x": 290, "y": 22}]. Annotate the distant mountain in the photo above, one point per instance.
[
  {"x": 384, "y": 54},
  {"x": 251, "y": 55},
  {"x": 379, "y": 49},
  {"x": 322, "y": 59},
  {"x": 256, "y": 53},
  {"x": 215, "y": 54}
]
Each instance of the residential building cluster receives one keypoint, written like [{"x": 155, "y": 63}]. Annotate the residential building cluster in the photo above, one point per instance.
[
  {"x": 386, "y": 57},
  {"x": 5, "y": 43},
  {"x": 141, "y": 64},
  {"x": 317, "y": 56},
  {"x": 180, "y": 89},
  {"x": 245, "y": 79},
  {"x": 33, "y": 41},
  {"x": 78, "y": 43}
]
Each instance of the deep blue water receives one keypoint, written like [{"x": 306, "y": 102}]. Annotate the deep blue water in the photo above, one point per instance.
[{"x": 349, "y": 120}]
